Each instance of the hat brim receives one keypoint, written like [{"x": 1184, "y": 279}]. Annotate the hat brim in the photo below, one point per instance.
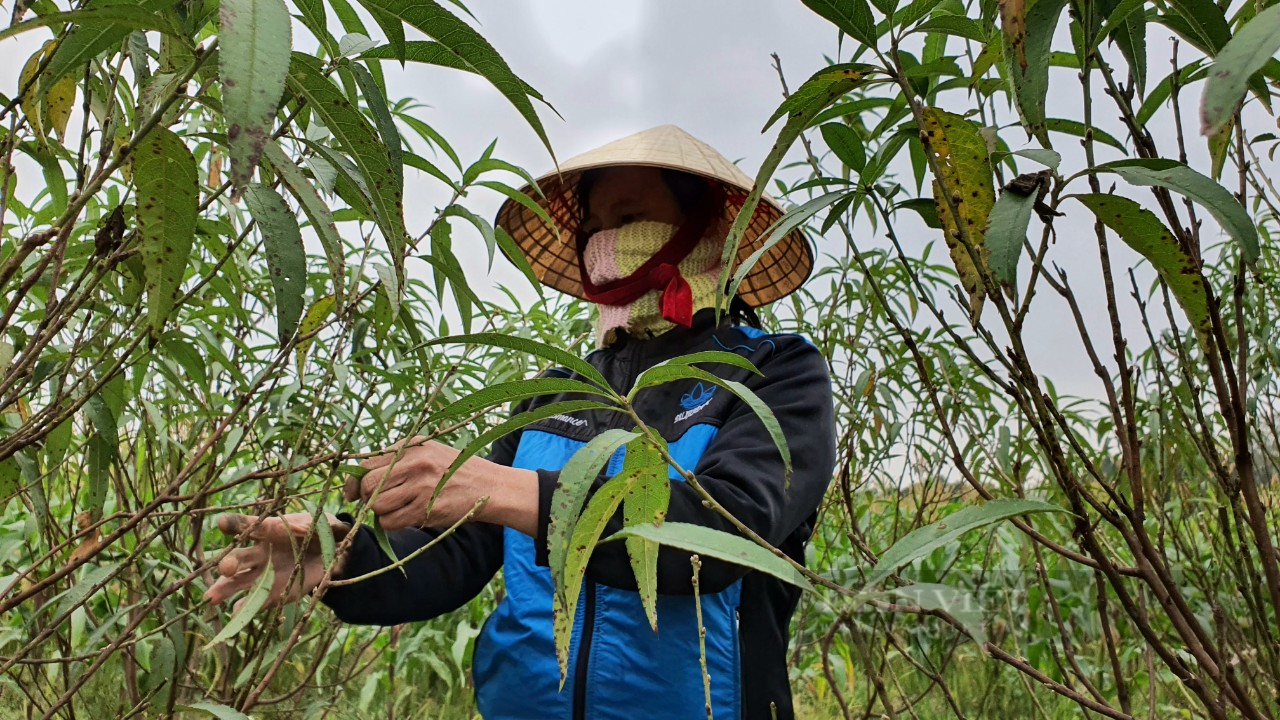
[{"x": 552, "y": 253}]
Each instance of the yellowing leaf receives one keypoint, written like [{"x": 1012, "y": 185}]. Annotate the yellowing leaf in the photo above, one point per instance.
[
  {"x": 1141, "y": 230},
  {"x": 963, "y": 182},
  {"x": 1014, "y": 22},
  {"x": 29, "y": 87},
  {"x": 647, "y": 503},
  {"x": 120, "y": 141},
  {"x": 58, "y": 102},
  {"x": 585, "y": 537},
  {"x": 315, "y": 317}
]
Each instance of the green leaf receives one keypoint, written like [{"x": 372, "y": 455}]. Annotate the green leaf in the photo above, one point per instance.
[
  {"x": 846, "y": 144},
  {"x": 817, "y": 93},
  {"x": 1031, "y": 85},
  {"x": 384, "y": 544},
  {"x": 853, "y": 17},
  {"x": 137, "y": 18},
  {"x": 104, "y": 422},
  {"x": 1141, "y": 230},
  {"x": 1191, "y": 73},
  {"x": 965, "y": 180},
  {"x": 1048, "y": 158},
  {"x": 1220, "y": 143},
  {"x": 925, "y": 208},
  {"x": 514, "y": 254},
  {"x": 794, "y": 218},
  {"x": 709, "y": 356},
  {"x": 286, "y": 258},
  {"x": 1203, "y": 191},
  {"x": 1246, "y": 53},
  {"x": 164, "y": 173},
  {"x": 513, "y": 391},
  {"x": 101, "y": 452},
  {"x": 316, "y": 210},
  {"x": 551, "y": 353},
  {"x": 647, "y": 502},
  {"x": 87, "y": 40},
  {"x": 430, "y": 52},
  {"x": 377, "y": 102},
  {"x": 360, "y": 141},
  {"x": 922, "y": 541},
  {"x": 1118, "y": 15},
  {"x": 1130, "y": 35},
  {"x": 314, "y": 19},
  {"x": 471, "y": 48},
  {"x": 393, "y": 28},
  {"x": 955, "y": 25},
  {"x": 1080, "y": 130},
  {"x": 660, "y": 374},
  {"x": 10, "y": 479},
  {"x": 349, "y": 18},
  {"x": 576, "y": 478},
  {"x": 188, "y": 357},
  {"x": 89, "y": 583},
  {"x": 218, "y": 710},
  {"x": 255, "y": 38},
  {"x": 324, "y": 536},
  {"x": 480, "y": 224},
  {"x": 1006, "y": 234},
  {"x": 586, "y": 534},
  {"x": 1207, "y": 22},
  {"x": 253, "y": 602},
  {"x": 445, "y": 263},
  {"x": 707, "y": 542}
]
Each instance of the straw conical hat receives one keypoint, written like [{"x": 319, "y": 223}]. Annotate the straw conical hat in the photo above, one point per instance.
[{"x": 554, "y": 258}]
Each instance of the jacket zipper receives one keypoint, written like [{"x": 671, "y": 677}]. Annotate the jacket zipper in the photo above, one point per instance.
[{"x": 584, "y": 653}]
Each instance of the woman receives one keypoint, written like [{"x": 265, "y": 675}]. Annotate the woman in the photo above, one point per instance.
[{"x": 648, "y": 216}]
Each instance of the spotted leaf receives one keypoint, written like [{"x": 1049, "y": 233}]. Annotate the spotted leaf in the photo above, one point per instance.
[
  {"x": 164, "y": 173},
  {"x": 964, "y": 184}
]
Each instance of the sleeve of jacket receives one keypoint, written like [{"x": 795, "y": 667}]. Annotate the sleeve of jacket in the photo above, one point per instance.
[
  {"x": 743, "y": 471},
  {"x": 438, "y": 581}
]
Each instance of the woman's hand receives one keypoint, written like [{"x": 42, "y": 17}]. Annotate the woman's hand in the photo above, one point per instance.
[
  {"x": 284, "y": 541},
  {"x": 402, "y": 479}
]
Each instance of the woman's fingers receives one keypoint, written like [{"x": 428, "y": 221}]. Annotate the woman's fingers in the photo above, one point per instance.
[
  {"x": 272, "y": 530},
  {"x": 389, "y": 501},
  {"x": 234, "y": 524},
  {"x": 405, "y": 516},
  {"x": 391, "y": 452},
  {"x": 238, "y": 571}
]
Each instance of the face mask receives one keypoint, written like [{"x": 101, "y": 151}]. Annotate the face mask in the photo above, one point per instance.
[{"x": 675, "y": 292}]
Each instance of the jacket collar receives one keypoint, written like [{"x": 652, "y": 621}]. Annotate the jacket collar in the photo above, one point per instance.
[{"x": 672, "y": 343}]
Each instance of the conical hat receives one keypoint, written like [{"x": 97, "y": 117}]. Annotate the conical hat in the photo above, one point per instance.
[{"x": 554, "y": 258}]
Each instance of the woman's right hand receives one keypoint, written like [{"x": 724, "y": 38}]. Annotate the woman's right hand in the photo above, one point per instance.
[{"x": 281, "y": 539}]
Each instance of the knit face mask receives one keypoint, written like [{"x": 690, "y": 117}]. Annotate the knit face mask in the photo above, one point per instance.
[{"x": 614, "y": 254}]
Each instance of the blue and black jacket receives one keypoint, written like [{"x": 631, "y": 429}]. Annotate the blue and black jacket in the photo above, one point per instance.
[{"x": 618, "y": 667}]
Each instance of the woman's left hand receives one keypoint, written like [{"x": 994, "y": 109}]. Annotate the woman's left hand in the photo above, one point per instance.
[{"x": 402, "y": 479}]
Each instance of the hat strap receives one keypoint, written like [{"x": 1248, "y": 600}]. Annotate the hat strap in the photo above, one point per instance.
[{"x": 662, "y": 271}]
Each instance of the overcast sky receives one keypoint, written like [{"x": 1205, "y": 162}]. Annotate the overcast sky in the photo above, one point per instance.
[{"x": 613, "y": 68}]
